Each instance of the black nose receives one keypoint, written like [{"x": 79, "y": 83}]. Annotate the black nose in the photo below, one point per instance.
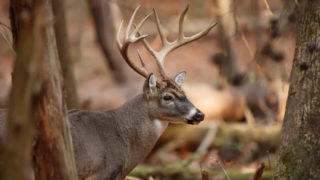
[{"x": 199, "y": 116}]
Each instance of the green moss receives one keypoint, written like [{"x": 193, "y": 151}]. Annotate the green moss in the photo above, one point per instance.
[
  {"x": 286, "y": 162},
  {"x": 176, "y": 171},
  {"x": 287, "y": 158},
  {"x": 142, "y": 171}
]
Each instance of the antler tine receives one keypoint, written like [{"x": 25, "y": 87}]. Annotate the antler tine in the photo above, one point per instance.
[
  {"x": 198, "y": 35},
  {"x": 182, "y": 40},
  {"x": 181, "y": 19},
  {"x": 159, "y": 57},
  {"x": 160, "y": 29},
  {"x": 130, "y": 38},
  {"x": 131, "y": 21},
  {"x": 170, "y": 46},
  {"x": 137, "y": 28},
  {"x": 141, "y": 60},
  {"x": 118, "y": 35}
]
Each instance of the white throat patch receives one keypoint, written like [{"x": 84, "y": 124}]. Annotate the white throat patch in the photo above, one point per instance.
[{"x": 160, "y": 126}]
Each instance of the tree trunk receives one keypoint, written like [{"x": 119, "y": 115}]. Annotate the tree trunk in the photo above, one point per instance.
[
  {"x": 36, "y": 100},
  {"x": 64, "y": 54},
  {"x": 53, "y": 152},
  {"x": 26, "y": 21},
  {"x": 102, "y": 17},
  {"x": 300, "y": 149},
  {"x": 228, "y": 68}
]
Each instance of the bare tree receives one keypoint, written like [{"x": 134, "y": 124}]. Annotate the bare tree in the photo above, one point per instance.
[
  {"x": 64, "y": 54},
  {"x": 226, "y": 61},
  {"x": 26, "y": 23},
  {"x": 300, "y": 149},
  {"x": 102, "y": 16},
  {"x": 37, "y": 100},
  {"x": 53, "y": 152}
]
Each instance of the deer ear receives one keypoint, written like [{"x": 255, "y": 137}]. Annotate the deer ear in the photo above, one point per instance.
[
  {"x": 179, "y": 78},
  {"x": 150, "y": 85},
  {"x": 152, "y": 81}
]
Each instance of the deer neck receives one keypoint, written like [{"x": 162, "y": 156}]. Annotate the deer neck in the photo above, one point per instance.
[
  {"x": 140, "y": 131},
  {"x": 136, "y": 110}
]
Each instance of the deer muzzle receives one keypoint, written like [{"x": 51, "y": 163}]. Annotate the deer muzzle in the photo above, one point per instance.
[{"x": 196, "y": 118}]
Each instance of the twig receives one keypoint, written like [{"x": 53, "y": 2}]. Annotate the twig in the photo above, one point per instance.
[
  {"x": 191, "y": 159},
  {"x": 207, "y": 140},
  {"x": 6, "y": 26},
  {"x": 259, "y": 172},
  {"x": 268, "y": 7},
  {"x": 246, "y": 43},
  {"x": 7, "y": 39},
  {"x": 142, "y": 61},
  {"x": 267, "y": 110},
  {"x": 224, "y": 170},
  {"x": 269, "y": 162},
  {"x": 249, "y": 117}
]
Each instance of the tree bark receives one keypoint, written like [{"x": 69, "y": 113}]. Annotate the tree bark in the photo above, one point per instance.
[
  {"x": 300, "y": 149},
  {"x": 53, "y": 152},
  {"x": 64, "y": 54},
  {"x": 36, "y": 100},
  {"x": 228, "y": 68},
  {"x": 102, "y": 17},
  {"x": 27, "y": 25}
]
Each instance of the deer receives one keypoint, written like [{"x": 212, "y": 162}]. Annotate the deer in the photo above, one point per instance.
[{"x": 108, "y": 144}]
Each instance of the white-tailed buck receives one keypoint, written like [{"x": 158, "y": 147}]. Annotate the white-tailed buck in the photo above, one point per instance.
[{"x": 109, "y": 144}]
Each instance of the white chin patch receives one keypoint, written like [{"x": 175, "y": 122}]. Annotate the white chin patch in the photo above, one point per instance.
[{"x": 191, "y": 113}]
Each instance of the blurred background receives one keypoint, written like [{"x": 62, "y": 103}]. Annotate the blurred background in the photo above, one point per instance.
[{"x": 237, "y": 75}]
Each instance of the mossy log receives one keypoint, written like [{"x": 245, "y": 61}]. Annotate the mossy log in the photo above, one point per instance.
[
  {"x": 179, "y": 171},
  {"x": 183, "y": 135}
]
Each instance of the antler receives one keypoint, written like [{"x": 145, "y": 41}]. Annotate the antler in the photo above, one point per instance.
[
  {"x": 130, "y": 38},
  {"x": 159, "y": 56},
  {"x": 170, "y": 46}
]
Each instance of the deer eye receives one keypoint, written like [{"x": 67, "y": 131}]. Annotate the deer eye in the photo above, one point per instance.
[{"x": 168, "y": 98}]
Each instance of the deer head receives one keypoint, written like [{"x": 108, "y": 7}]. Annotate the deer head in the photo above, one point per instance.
[{"x": 166, "y": 99}]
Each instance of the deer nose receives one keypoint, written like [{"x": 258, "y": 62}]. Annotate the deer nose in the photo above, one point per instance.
[{"x": 199, "y": 116}]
